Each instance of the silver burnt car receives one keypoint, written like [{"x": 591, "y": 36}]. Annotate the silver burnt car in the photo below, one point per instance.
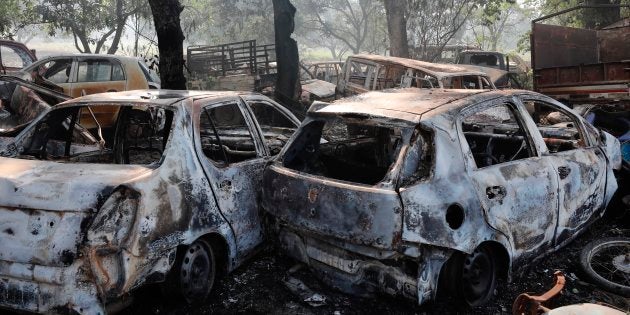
[
  {"x": 410, "y": 191},
  {"x": 108, "y": 192}
]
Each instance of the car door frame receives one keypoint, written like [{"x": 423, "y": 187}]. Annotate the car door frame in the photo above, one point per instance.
[
  {"x": 495, "y": 198},
  {"x": 246, "y": 243},
  {"x": 595, "y": 203}
]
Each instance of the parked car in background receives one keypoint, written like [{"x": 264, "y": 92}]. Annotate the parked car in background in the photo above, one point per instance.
[
  {"x": 83, "y": 74},
  {"x": 411, "y": 191},
  {"x": 14, "y": 56},
  {"x": 363, "y": 73},
  {"x": 505, "y": 71},
  {"x": 168, "y": 193}
]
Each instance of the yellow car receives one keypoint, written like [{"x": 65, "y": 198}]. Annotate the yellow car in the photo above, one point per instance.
[{"x": 83, "y": 74}]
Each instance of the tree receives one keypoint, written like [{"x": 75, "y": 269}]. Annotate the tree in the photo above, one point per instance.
[
  {"x": 91, "y": 22},
  {"x": 356, "y": 23},
  {"x": 396, "y": 12},
  {"x": 493, "y": 21},
  {"x": 170, "y": 42},
  {"x": 598, "y": 18},
  {"x": 434, "y": 23},
  {"x": 14, "y": 16},
  {"x": 288, "y": 82}
]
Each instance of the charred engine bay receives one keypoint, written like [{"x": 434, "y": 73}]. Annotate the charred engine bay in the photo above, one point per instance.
[{"x": 263, "y": 286}]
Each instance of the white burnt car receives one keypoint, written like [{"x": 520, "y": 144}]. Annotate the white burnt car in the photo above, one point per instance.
[
  {"x": 410, "y": 191},
  {"x": 96, "y": 204}
]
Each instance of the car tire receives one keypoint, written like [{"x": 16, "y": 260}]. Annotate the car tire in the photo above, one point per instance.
[
  {"x": 472, "y": 277},
  {"x": 193, "y": 275},
  {"x": 599, "y": 257}
]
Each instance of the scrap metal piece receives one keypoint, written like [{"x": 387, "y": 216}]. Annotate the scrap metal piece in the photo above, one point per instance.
[{"x": 533, "y": 304}]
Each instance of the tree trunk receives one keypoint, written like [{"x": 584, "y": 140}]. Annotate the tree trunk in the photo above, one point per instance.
[
  {"x": 170, "y": 42},
  {"x": 121, "y": 19},
  {"x": 288, "y": 83},
  {"x": 397, "y": 28}
]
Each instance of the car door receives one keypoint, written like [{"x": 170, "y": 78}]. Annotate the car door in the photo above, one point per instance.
[
  {"x": 14, "y": 57},
  {"x": 517, "y": 189},
  {"x": 578, "y": 161},
  {"x": 58, "y": 70},
  {"x": 275, "y": 123},
  {"x": 97, "y": 75},
  {"x": 233, "y": 157}
]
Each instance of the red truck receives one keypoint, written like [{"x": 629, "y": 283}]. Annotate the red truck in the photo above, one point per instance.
[{"x": 582, "y": 66}]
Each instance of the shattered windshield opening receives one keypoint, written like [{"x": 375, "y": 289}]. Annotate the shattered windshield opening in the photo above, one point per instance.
[
  {"x": 345, "y": 149},
  {"x": 103, "y": 134}
]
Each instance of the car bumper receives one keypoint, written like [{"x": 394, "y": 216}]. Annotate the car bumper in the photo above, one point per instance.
[
  {"x": 363, "y": 276},
  {"x": 46, "y": 289}
]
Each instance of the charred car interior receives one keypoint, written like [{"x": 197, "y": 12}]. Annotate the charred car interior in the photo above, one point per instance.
[
  {"x": 352, "y": 150},
  {"x": 136, "y": 135},
  {"x": 22, "y": 101}
]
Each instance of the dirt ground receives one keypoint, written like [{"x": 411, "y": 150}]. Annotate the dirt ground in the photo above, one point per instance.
[{"x": 259, "y": 287}]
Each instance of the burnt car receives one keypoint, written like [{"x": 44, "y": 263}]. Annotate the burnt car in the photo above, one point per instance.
[
  {"x": 412, "y": 191},
  {"x": 167, "y": 194},
  {"x": 364, "y": 73}
]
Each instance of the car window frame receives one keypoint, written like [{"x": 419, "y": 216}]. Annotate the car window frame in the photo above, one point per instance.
[
  {"x": 259, "y": 145},
  {"x": 285, "y": 112},
  {"x": 35, "y": 67},
  {"x": 112, "y": 61},
  {"x": 514, "y": 107},
  {"x": 17, "y": 49},
  {"x": 577, "y": 119}
]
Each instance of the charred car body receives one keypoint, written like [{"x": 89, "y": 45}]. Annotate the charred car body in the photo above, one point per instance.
[
  {"x": 364, "y": 73},
  {"x": 93, "y": 206},
  {"x": 409, "y": 191}
]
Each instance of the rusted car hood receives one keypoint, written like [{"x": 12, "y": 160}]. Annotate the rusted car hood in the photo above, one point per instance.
[
  {"x": 60, "y": 187},
  {"x": 319, "y": 88}
]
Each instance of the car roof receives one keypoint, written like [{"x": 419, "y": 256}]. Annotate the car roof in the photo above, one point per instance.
[
  {"x": 162, "y": 98},
  {"x": 412, "y": 105},
  {"x": 105, "y": 56},
  {"x": 437, "y": 69}
]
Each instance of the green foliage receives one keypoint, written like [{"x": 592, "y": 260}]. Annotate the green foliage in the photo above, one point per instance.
[
  {"x": 15, "y": 15},
  {"x": 91, "y": 22},
  {"x": 220, "y": 21}
]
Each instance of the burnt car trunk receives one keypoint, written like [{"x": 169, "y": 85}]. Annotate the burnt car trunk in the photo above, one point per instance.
[
  {"x": 337, "y": 180},
  {"x": 369, "y": 216}
]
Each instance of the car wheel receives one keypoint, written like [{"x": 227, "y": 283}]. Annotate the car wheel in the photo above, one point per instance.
[
  {"x": 196, "y": 272},
  {"x": 478, "y": 277}
]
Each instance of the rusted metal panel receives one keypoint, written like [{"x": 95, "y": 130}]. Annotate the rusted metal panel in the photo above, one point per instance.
[
  {"x": 559, "y": 46},
  {"x": 581, "y": 65},
  {"x": 613, "y": 43}
]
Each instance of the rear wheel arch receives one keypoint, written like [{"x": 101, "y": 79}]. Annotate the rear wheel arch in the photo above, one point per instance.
[{"x": 221, "y": 251}]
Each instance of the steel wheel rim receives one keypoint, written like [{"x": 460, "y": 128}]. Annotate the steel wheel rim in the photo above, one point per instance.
[
  {"x": 610, "y": 261},
  {"x": 196, "y": 273},
  {"x": 478, "y": 277}
]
